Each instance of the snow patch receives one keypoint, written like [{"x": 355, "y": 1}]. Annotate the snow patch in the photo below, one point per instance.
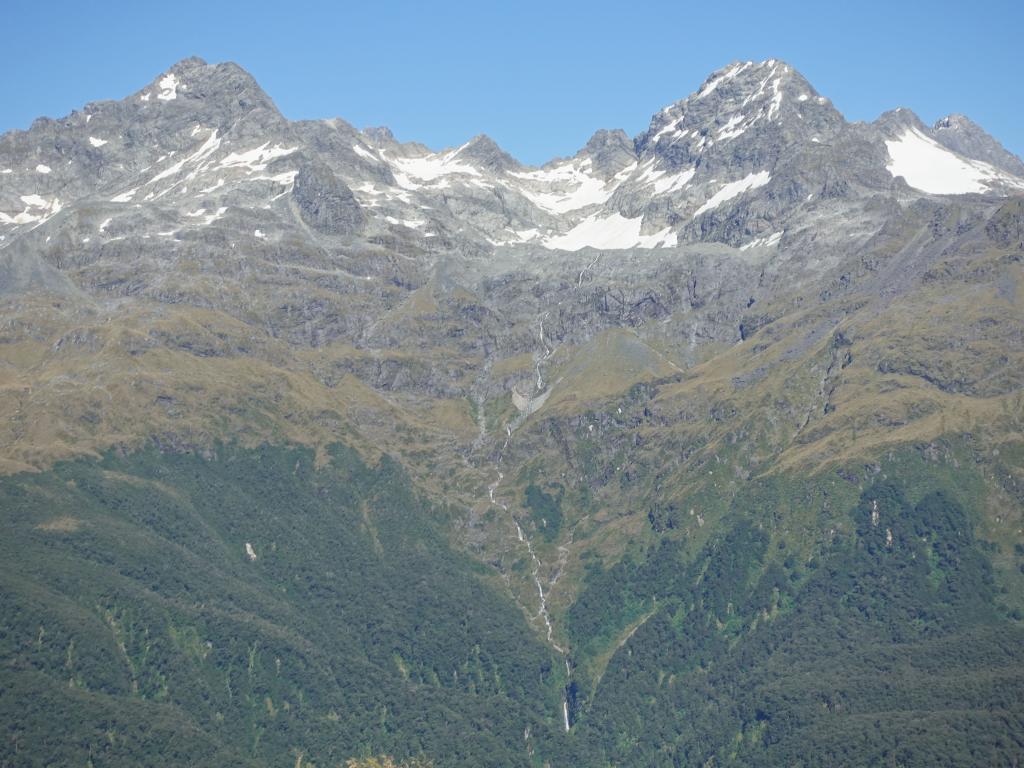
[
  {"x": 776, "y": 104},
  {"x": 37, "y": 210},
  {"x": 674, "y": 182},
  {"x": 428, "y": 168},
  {"x": 250, "y": 552},
  {"x": 731, "y": 129},
  {"x": 209, "y": 146},
  {"x": 218, "y": 185},
  {"x": 370, "y": 189},
  {"x": 671, "y": 127},
  {"x": 928, "y": 166},
  {"x": 44, "y": 169},
  {"x": 97, "y": 142},
  {"x": 124, "y": 197},
  {"x": 168, "y": 88},
  {"x": 625, "y": 173},
  {"x": 733, "y": 189},
  {"x": 662, "y": 181},
  {"x": 258, "y": 234},
  {"x": 576, "y": 187},
  {"x": 214, "y": 216},
  {"x": 614, "y": 231},
  {"x": 647, "y": 175},
  {"x": 287, "y": 178},
  {"x": 365, "y": 153},
  {"x": 411, "y": 223},
  {"x": 763, "y": 242},
  {"x": 256, "y": 159},
  {"x": 207, "y": 218},
  {"x": 730, "y": 73}
]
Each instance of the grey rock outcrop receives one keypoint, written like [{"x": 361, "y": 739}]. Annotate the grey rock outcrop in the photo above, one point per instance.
[
  {"x": 610, "y": 151},
  {"x": 482, "y": 152},
  {"x": 965, "y": 137},
  {"x": 325, "y": 203}
]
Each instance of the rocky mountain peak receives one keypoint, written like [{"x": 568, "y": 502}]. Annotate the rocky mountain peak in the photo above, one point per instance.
[
  {"x": 483, "y": 152},
  {"x": 896, "y": 120},
  {"x": 610, "y": 151},
  {"x": 961, "y": 134},
  {"x": 192, "y": 63},
  {"x": 180, "y": 109},
  {"x": 765, "y": 102},
  {"x": 957, "y": 123},
  {"x": 740, "y": 161},
  {"x": 192, "y": 79},
  {"x": 379, "y": 136}
]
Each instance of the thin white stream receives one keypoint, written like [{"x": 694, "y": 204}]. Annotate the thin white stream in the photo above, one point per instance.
[{"x": 542, "y": 613}]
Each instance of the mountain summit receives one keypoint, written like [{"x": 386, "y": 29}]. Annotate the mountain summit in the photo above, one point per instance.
[
  {"x": 744, "y": 156},
  {"x": 960, "y": 134}
]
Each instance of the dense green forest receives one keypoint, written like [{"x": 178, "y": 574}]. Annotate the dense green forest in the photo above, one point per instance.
[
  {"x": 137, "y": 628},
  {"x": 888, "y": 649},
  {"x": 247, "y": 608}
]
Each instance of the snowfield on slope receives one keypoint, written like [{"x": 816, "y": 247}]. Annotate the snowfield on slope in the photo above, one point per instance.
[
  {"x": 928, "y": 166},
  {"x": 614, "y": 231},
  {"x": 734, "y": 189}
]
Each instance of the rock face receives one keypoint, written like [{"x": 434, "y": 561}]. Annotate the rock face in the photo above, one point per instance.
[
  {"x": 611, "y": 152},
  {"x": 748, "y": 160},
  {"x": 481, "y": 152},
  {"x": 962, "y": 135},
  {"x": 324, "y": 202}
]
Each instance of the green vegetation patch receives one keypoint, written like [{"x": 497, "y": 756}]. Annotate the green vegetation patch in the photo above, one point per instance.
[{"x": 245, "y": 608}]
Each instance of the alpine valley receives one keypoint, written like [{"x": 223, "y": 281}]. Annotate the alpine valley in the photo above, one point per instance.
[{"x": 699, "y": 448}]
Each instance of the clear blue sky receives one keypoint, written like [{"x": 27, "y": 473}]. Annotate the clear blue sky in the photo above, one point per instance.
[{"x": 539, "y": 77}]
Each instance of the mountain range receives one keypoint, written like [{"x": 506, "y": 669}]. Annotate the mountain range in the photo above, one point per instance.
[{"x": 698, "y": 447}]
